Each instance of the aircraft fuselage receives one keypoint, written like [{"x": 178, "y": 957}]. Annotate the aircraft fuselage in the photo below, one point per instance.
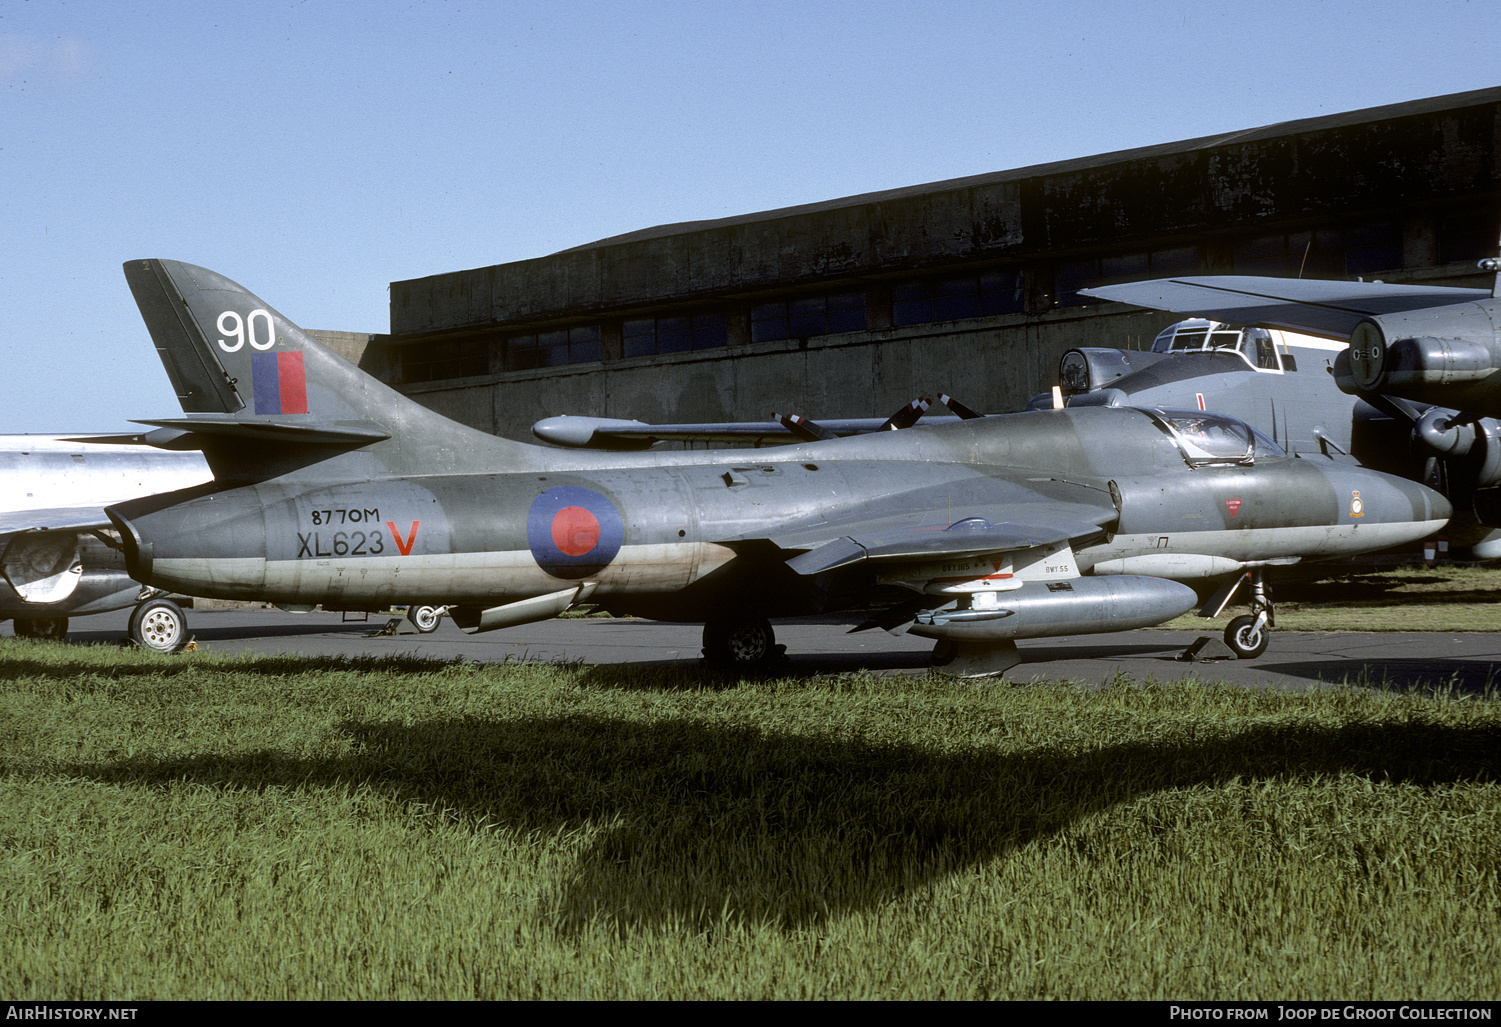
[{"x": 654, "y": 524}]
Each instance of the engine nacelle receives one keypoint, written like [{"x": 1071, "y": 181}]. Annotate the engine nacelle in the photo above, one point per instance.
[
  {"x": 1088, "y": 368},
  {"x": 1445, "y": 355},
  {"x": 1471, "y": 446}
]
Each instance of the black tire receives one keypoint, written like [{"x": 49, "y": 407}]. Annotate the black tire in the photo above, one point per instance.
[
  {"x": 159, "y": 625},
  {"x": 424, "y": 618},
  {"x": 740, "y": 641},
  {"x": 1245, "y": 639},
  {"x": 45, "y": 628}
]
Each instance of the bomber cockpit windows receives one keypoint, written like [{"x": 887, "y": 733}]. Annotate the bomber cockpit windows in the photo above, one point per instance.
[
  {"x": 1259, "y": 349},
  {"x": 1184, "y": 336},
  {"x": 1205, "y": 438},
  {"x": 1197, "y": 335}
]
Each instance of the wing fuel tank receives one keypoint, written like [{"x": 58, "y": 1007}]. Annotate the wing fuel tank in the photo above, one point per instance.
[{"x": 1077, "y": 606}]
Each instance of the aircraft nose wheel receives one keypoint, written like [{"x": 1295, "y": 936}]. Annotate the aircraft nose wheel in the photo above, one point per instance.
[
  {"x": 740, "y": 641},
  {"x": 159, "y": 625},
  {"x": 1247, "y": 637}
]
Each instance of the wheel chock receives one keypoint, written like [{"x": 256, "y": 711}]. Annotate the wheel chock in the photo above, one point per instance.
[{"x": 1206, "y": 649}]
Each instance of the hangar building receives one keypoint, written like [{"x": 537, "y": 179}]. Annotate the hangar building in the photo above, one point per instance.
[{"x": 853, "y": 306}]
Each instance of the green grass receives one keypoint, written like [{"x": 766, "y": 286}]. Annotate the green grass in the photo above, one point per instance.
[
  {"x": 1411, "y": 598},
  {"x": 207, "y": 827}
]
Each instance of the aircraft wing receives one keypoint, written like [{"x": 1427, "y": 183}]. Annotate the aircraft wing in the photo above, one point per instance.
[
  {"x": 931, "y": 524},
  {"x": 67, "y": 518},
  {"x": 1320, "y": 307}
]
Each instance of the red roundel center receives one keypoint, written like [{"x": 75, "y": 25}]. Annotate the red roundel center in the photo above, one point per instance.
[{"x": 575, "y": 530}]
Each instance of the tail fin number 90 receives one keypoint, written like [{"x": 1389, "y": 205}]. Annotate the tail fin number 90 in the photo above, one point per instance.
[{"x": 243, "y": 329}]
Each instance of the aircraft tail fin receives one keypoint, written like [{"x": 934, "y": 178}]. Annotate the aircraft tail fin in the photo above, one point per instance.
[
  {"x": 252, "y": 383},
  {"x": 229, "y": 353}
]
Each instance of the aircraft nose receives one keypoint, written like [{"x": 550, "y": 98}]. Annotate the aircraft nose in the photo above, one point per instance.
[{"x": 1367, "y": 497}]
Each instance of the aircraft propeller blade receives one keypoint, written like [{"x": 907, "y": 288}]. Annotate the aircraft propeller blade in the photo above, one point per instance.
[
  {"x": 808, "y": 431},
  {"x": 907, "y": 416},
  {"x": 964, "y": 412}
]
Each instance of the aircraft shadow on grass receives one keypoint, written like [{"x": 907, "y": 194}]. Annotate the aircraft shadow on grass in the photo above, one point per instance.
[{"x": 701, "y": 824}]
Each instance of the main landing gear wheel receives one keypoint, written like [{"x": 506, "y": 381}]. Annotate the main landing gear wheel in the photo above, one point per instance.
[
  {"x": 424, "y": 618},
  {"x": 46, "y": 628},
  {"x": 159, "y": 625},
  {"x": 740, "y": 641},
  {"x": 1247, "y": 637}
]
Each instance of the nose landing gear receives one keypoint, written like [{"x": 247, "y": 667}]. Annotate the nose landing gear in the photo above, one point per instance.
[{"x": 1248, "y": 635}]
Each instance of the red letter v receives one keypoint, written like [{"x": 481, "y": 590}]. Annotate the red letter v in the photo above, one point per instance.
[{"x": 404, "y": 545}]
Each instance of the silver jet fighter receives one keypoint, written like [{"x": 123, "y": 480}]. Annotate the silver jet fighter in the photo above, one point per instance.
[
  {"x": 332, "y": 488},
  {"x": 55, "y": 555}
]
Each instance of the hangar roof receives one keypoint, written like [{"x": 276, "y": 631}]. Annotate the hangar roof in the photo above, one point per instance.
[
  {"x": 1377, "y": 162},
  {"x": 1323, "y": 123}
]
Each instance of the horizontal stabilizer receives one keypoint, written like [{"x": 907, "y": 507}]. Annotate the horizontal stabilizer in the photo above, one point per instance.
[{"x": 346, "y": 433}]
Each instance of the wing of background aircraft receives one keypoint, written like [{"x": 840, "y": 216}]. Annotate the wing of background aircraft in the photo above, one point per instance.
[
  {"x": 611, "y": 433},
  {"x": 54, "y": 561},
  {"x": 1321, "y": 307}
]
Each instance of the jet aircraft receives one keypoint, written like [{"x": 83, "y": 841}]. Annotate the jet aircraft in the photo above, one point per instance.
[
  {"x": 54, "y": 557},
  {"x": 1428, "y": 357},
  {"x": 332, "y": 488}
]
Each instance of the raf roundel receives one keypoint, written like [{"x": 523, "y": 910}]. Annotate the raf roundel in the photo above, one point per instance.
[{"x": 573, "y": 532}]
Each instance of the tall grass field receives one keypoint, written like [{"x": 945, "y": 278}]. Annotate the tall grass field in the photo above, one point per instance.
[{"x": 206, "y": 827}]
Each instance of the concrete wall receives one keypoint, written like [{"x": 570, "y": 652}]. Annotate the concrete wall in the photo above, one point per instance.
[{"x": 991, "y": 364}]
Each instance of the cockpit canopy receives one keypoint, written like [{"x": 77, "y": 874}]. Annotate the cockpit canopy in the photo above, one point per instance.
[
  {"x": 1205, "y": 438},
  {"x": 1255, "y": 345}
]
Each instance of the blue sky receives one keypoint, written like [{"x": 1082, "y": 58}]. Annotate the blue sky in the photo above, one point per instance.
[{"x": 315, "y": 151}]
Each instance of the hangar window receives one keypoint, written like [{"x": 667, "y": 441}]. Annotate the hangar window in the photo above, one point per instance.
[
  {"x": 438, "y": 361},
  {"x": 952, "y": 299},
  {"x": 808, "y": 316},
  {"x": 1324, "y": 253},
  {"x": 1069, "y": 278},
  {"x": 1467, "y": 235},
  {"x": 642, "y": 337},
  {"x": 553, "y": 349},
  {"x": 1373, "y": 247}
]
